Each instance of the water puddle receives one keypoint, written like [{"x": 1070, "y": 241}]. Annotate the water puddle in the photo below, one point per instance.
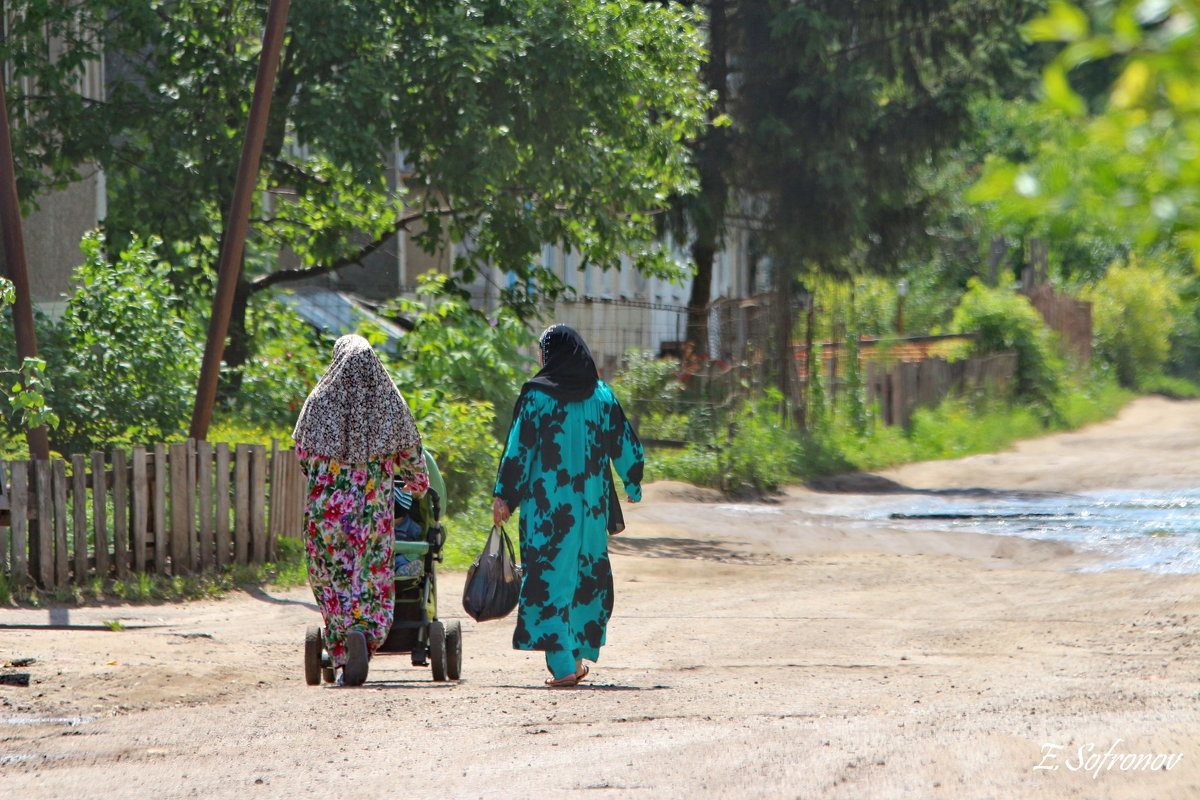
[
  {"x": 735, "y": 508},
  {"x": 69, "y": 721},
  {"x": 1153, "y": 531}
]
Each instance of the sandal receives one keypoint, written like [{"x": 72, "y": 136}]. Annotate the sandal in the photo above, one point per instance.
[{"x": 567, "y": 681}]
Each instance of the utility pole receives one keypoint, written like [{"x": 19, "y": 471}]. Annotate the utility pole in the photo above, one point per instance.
[
  {"x": 18, "y": 271},
  {"x": 233, "y": 243}
]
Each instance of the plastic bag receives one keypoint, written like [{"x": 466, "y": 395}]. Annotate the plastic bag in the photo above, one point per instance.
[{"x": 494, "y": 579}]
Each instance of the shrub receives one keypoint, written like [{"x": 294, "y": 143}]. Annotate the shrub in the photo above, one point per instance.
[
  {"x": 1133, "y": 311},
  {"x": 763, "y": 452},
  {"x": 1170, "y": 386},
  {"x": 648, "y": 385},
  {"x": 459, "y": 435},
  {"x": 458, "y": 352},
  {"x": 1004, "y": 321},
  {"x": 120, "y": 362}
]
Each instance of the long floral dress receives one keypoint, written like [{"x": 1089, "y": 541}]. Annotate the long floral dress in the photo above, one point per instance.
[
  {"x": 556, "y": 468},
  {"x": 349, "y": 541}
]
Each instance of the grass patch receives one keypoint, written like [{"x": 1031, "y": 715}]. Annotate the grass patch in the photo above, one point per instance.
[
  {"x": 763, "y": 451},
  {"x": 1170, "y": 386},
  {"x": 287, "y": 571}
]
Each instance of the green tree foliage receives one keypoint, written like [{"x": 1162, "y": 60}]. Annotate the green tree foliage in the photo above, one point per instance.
[
  {"x": 839, "y": 110},
  {"x": 1129, "y": 160},
  {"x": 286, "y": 359},
  {"x": 1134, "y": 312},
  {"x": 1005, "y": 322},
  {"x": 519, "y": 122},
  {"x": 647, "y": 384},
  {"x": 27, "y": 395}
]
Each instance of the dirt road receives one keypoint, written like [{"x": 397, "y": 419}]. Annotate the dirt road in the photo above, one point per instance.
[{"x": 766, "y": 651}]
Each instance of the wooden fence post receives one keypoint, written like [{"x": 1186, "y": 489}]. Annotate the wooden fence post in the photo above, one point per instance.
[
  {"x": 241, "y": 504},
  {"x": 43, "y": 548},
  {"x": 18, "y": 502},
  {"x": 181, "y": 560},
  {"x": 141, "y": 508},
  {"x": 100, "y": 513},
  {"x": 58, "y": 489},
  {"x": 275, "y": 481},
  {"x": 79, "y": 537},
  {"x": 120, "y": 514},
  {"x": 189, "y": 490},
  {"x": 295, "y": 496},
  {"x": 225, "y": 554},
  {"x": 5, "y": 535},
  {"x": 209, "y": 555},
  {"x": 258, "y": 507},
  {"x": 159, "y": 507}
]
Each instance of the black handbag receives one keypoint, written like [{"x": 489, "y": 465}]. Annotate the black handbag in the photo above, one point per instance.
[{"x": 493, "y": 580}]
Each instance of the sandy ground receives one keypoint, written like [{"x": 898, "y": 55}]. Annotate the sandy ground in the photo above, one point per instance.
[{"x": 757, "y": 651}]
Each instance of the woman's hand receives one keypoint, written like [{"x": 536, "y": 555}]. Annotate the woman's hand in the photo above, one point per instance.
[{"x": 500, "y": 512}]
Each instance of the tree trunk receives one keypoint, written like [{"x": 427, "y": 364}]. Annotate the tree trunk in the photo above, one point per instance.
[
  {"x": 697, "y": 312},
  {"x": 708, "y": 211},
  {"x": 785, "y": 363},
  {"x": 810, "y": 322},
  {"x": 237, "y": 348}
]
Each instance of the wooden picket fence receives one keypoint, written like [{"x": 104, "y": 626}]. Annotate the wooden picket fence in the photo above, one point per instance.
[
  {"x": 169, "y": 509},
  {"x": 901, "y": 388}
]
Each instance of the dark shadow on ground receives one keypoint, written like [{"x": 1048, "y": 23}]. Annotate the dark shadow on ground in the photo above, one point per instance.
[
  {"x": 667, "y": 547},
  {"x": 258, "y": 594},
  {"x": 33, "y": 626},
  {"x": 869, "y": 483}
]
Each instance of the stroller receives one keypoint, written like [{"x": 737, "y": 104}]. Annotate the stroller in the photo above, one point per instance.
[{"x": 415, "y": 629}]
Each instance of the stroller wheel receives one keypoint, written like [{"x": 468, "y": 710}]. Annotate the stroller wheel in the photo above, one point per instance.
[
  {"x": 453, "y": 650},
  {"x": 437, "y": 650},
  {"x": 312, "y": 655}
]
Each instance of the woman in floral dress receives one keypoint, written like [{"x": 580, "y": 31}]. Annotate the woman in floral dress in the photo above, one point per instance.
[
  {"x": 567, "y": 429},
  {"x": 355, "y": 438}
]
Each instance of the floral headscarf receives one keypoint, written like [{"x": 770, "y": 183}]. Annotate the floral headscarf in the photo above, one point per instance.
[{"x": 355, "y": 413}]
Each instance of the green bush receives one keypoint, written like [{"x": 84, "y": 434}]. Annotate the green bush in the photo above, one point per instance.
[
  {"x": 648, "y": 385},
  {"x": 1170, "y": 386},
  {"x": 1133, "y": 311},
  {"x": 120, "y": 363},
  {"x": 1004, "y": 321},
  {"x": 459, "y": 435},
  {"x": 458, "y": 352},
  {"x": 763, "y": 454}
]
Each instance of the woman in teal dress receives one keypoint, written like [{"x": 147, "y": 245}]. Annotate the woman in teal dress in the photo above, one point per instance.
[{"x": 567, "y": 428}]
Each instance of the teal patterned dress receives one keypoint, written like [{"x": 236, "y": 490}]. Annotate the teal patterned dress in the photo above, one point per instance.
[{"x": 555, "y": 468}]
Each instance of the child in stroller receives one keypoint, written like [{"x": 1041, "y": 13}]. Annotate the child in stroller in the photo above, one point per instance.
[{"x": 416, "y": 629}]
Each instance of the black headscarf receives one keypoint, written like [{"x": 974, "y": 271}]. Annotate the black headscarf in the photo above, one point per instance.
[{"x": 568, "y": 372}]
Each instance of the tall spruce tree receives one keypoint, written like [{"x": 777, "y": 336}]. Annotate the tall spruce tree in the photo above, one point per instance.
[{"x": 835, "y": 107}]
